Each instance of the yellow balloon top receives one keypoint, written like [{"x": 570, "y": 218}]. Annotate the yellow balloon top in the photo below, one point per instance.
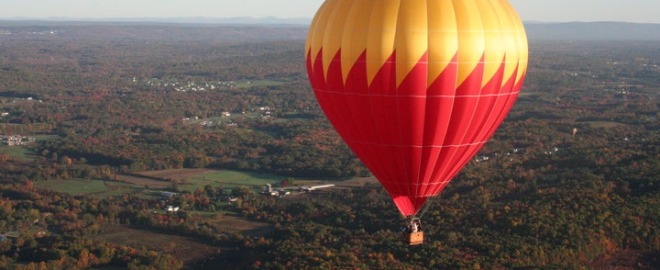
[{"x": 465, "y": 31}]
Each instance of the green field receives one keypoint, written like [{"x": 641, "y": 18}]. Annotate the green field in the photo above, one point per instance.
[
  {"x": 17, "y": 152},
  {"x": 95, "y": 188},
  {"x": 45, "y": 137},
  {"x": 229, "y": 179},
  {"x": 23, "y": 152},
  {"x": 135, "y": 185}
]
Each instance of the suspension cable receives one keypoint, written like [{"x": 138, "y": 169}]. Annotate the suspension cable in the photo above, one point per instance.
[{"x": 427, "y": 205}]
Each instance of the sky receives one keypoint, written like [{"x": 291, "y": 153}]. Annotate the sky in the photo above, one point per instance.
[{"x": 641, "y": 11}]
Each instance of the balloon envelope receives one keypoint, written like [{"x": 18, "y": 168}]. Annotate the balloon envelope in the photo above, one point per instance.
[{"x": 416, "y": 87}]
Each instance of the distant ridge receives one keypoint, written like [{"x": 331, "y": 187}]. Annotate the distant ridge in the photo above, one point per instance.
[
  {"x": 592, "y": 31},
  {"x": 179, "y": 20},
  {"x": 535, "y": 30}
]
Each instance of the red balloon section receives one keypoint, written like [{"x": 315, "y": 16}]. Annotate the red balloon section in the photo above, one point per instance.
[{"x": 414, "y": 132}]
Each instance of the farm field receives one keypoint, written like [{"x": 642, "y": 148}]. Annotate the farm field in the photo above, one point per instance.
[
  {"x": 231, "y": 223},
  {"x": 187, "y": 180},
  {"x": 24, "y": 153},
  {"x": 184, "y": 248},
  {"x": 229, "y": 179},
  {"x": 94, "y": 188},
  {"x": 144, "y": 182},
  {"x": 17, "y": 152},
  {"x": 191, "y": 179}
]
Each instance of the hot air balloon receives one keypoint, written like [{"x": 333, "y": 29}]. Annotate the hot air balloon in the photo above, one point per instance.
[{"x": 416, "y": 87}]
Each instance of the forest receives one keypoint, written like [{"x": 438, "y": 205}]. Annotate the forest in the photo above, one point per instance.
[{"x": 571, "y": 179}]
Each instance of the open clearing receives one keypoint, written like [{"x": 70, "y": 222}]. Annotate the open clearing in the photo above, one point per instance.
[
  {"x": 94, "y": 188},
  {"x": 17, "y": 152},
  {"x": 176, "y": 174},
  {"x": 229, "y": 179},
  {"x": 187, "y": 180},
  {"x": 184, "y": 248},
  {"x": 142, "y": 181},
  {"x": 191, "y": 179},
  {"x": 231, "y": 223},
  {"x": 23, "y": 152}
]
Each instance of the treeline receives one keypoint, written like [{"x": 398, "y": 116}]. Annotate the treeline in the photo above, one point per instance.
[
  {"x": 313, "y": 153},
  {"x": 54, "y": 231},
  {"x": 48, "y": 230},
  {"x": 497, "y": 216}
]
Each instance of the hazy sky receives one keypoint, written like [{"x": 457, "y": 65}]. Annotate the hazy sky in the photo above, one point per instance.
[{"x": 647, "y": 11}]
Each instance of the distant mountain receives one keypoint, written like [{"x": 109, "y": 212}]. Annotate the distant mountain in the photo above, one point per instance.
[
  {"x": 592, "y": 31},
  {"x": 535, "y": 30},
  {"x": 242, "y": 20},
  {"x": 148, "y": 20}
]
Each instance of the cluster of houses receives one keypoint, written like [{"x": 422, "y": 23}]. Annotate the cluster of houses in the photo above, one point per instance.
[
  {"x": 552, "y": 151},
  {"x": 263, "y": 111},
  {"x": 187, "y": 86},
  {"x": 13, "y": 140},
  {"x": 47, "y": 32},
  {"x": 495, "y": 155},
  {"x": 268, "y": 190}
]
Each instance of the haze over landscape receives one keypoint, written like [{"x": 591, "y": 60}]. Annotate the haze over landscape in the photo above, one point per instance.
[
  {"x": 165, "y": 136},
  {"x": 639, "y": 11}
]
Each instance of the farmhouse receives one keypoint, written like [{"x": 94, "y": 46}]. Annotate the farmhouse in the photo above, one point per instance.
[
  {"x": 167, "y": 194},
  {"x": 13, "y": 140},
  {"x": 268, "y": 190}
]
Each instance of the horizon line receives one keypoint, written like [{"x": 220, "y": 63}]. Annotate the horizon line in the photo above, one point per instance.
[{"x": 244, "y": 19}]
